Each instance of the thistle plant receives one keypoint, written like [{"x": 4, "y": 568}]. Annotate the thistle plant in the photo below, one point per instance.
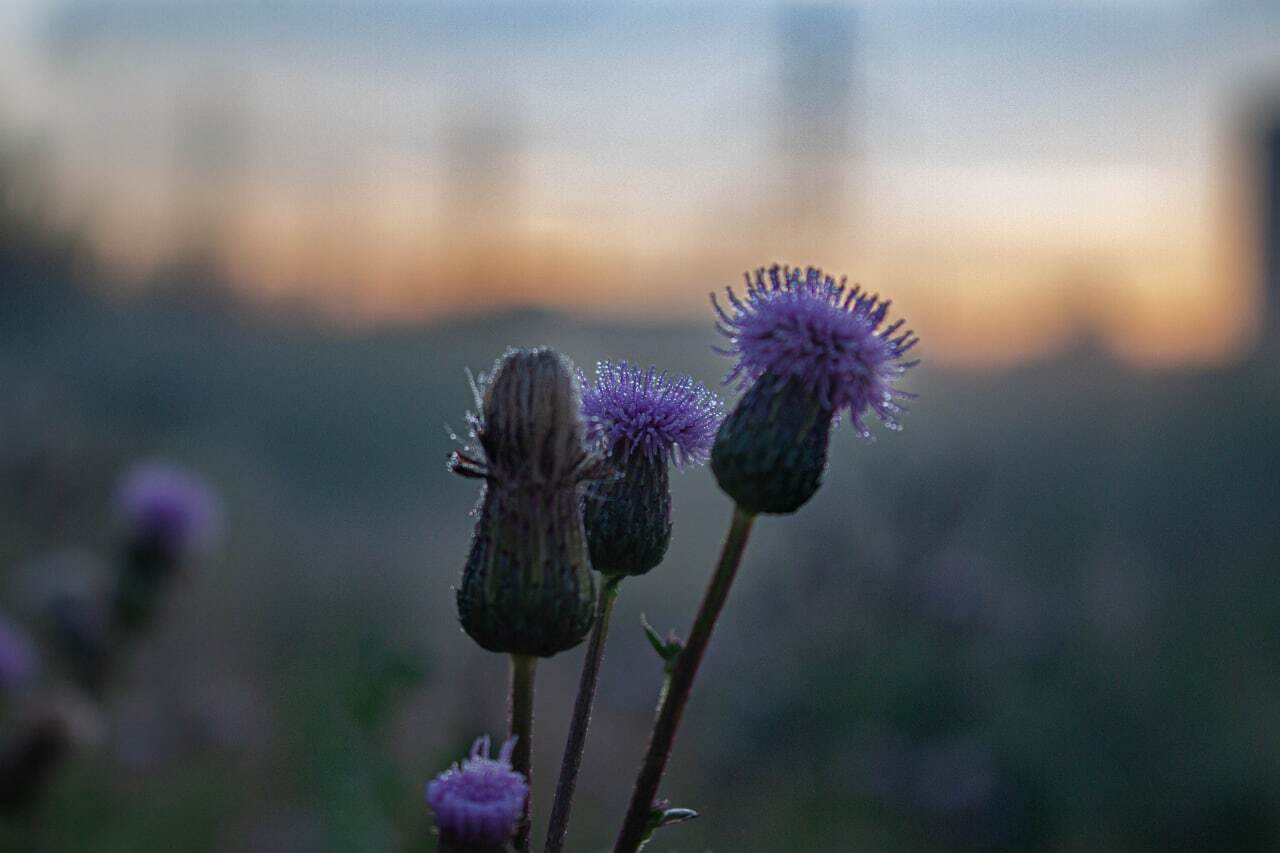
[
  {"x": 643, "y": 422},
  {"x": 807, "y": 349},
  {"x": 527, "y": 588},
  {"x": 575, "y": 480}
]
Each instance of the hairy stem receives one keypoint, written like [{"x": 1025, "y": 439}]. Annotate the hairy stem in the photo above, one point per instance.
[
  {"x": 577, "y": 741},
  {"x": 635, "y": 825},
  {"x": 520, "y": 726}
]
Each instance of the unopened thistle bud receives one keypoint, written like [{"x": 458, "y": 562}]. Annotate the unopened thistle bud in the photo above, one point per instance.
[
  {"x": 527, "y": 587},
  {"x": 808, "y": 350},
  {"x": 478, "y": 805},
  {"x": 644, "y": 422}
]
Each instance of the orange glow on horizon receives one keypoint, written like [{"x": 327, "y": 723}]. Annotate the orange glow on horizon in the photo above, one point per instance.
[
  {"x": 1158, "y": 293},
  {"x": 975, "y": 307},
  {"x": 992, "y": 263}
]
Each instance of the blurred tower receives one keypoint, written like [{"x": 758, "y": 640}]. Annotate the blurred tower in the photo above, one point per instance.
[
  {"x": 210, "y": 137},
  {"x": 814, "y": 142},
  {"x": 481, "y": 158}
]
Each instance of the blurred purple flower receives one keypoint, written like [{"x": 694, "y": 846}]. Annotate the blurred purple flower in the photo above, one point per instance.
[
  {"x": 18, "y": 657},
  {"x": 167, "y": 508},
  {"x": 481, "y": 801},
  {"x": 630, "y": 410},
  {"x": 802, "y": 325}
]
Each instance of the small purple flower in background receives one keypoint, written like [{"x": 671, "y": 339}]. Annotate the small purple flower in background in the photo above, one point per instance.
[
  {"x": 167, "y": 517},
  {"x": 167, "y": 509},
  {"x": 481, "y": 801},
  {"x": 802, "y": 325},
  {"x": 18, "y": 657},
  {"x": 630, "y": 410}
]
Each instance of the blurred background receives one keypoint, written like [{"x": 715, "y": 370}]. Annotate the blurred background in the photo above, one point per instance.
[{"x": 262, "y": 241}]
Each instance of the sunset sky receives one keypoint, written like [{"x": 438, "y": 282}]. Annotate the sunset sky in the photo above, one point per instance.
[{"x": 1015, "y": 174}]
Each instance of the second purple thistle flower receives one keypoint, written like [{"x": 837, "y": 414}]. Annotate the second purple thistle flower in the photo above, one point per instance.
[
  {"x": 630, "y": 410},
  {"x": 643, "y": 421},
  {"x": 808, "y": 350}
]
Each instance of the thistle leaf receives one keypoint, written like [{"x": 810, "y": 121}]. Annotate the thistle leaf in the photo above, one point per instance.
[
  {"x": 668, "y": 649},
  {"x": 662, "y": 816}
]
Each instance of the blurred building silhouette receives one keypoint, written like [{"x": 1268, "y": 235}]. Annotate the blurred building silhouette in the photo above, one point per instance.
[
  {"x": 814, "y": 128},
  {"x": 1269, "y": 218}
]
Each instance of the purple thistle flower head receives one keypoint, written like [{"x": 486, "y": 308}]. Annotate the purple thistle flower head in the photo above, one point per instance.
[
  {"x": 804, "y": 326},
  {"x": 629, "y": 410},
  {"x": 167, "y": 509},
  {"x": 481, "y": 801}
]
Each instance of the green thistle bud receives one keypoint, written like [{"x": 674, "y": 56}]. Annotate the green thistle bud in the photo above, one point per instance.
[
  {"x": 628, "y": 518},
  {"x": 527, "y": 587},
  {"x": 531, "y": 430},
  {"x": 771, "y": 451}
]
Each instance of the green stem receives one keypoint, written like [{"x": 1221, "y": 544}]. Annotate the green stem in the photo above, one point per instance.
[
  {"x": 520, "y": 726},
  {"x": 635, "y": 826},
  {"x": 577, "y": 741}
]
